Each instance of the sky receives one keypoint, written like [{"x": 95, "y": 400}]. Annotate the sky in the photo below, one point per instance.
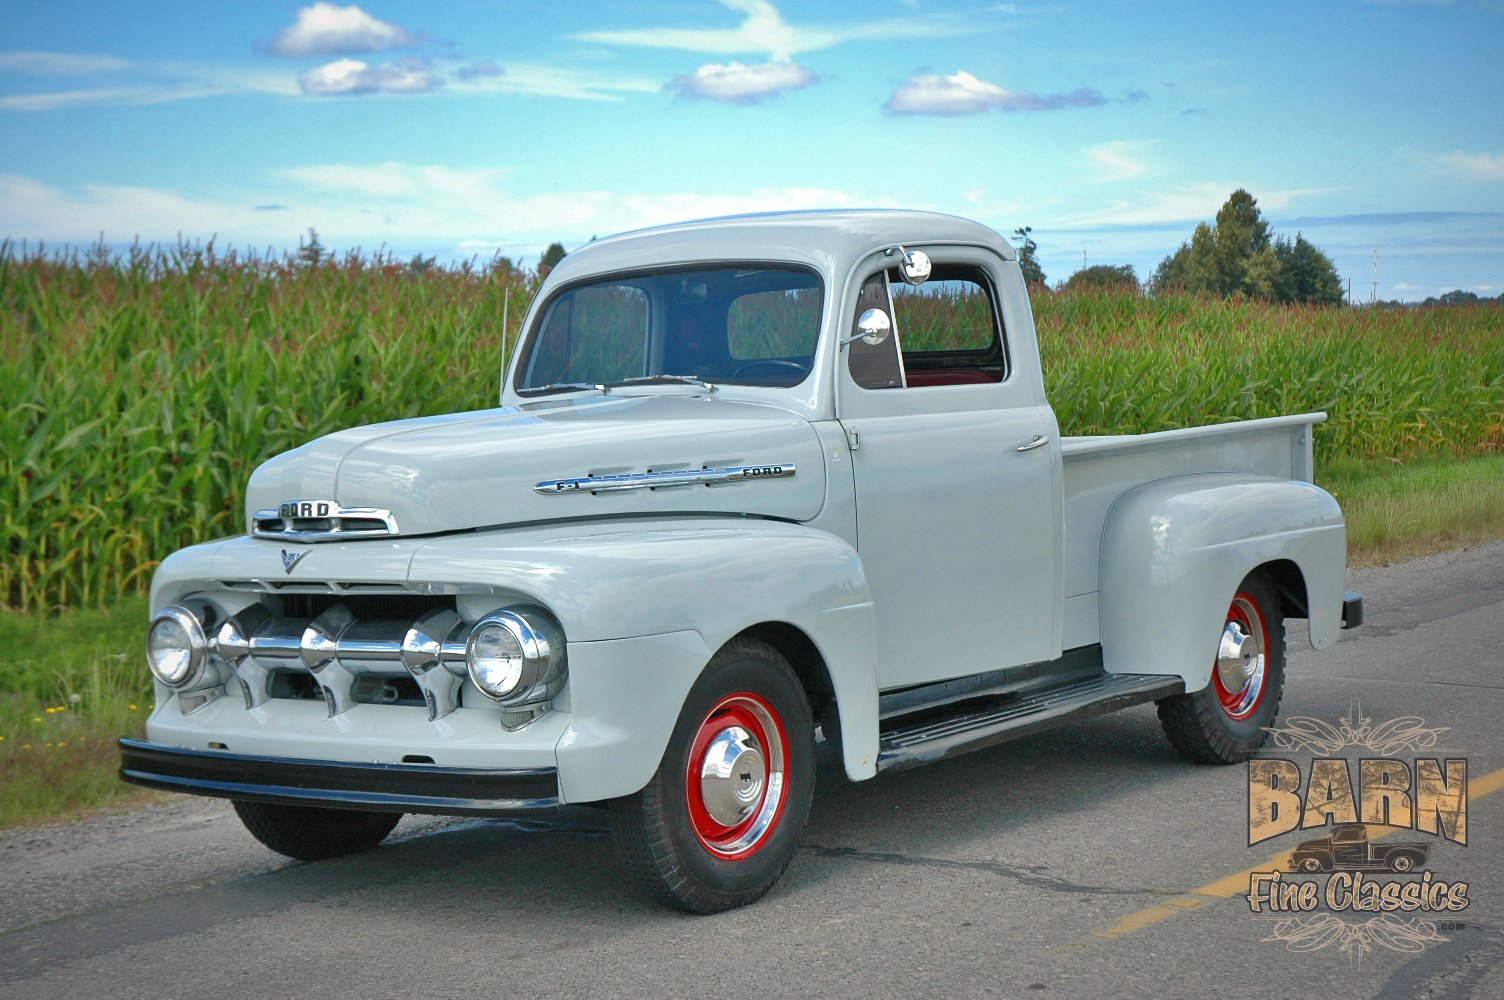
[{"x": 468, "y": 129}]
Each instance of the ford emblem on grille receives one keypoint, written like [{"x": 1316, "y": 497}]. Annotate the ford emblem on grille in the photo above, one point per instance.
[{"x": 321, "y": 521}]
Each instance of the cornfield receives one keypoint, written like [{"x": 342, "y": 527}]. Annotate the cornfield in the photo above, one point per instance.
[{"x": 140, "y": 390}]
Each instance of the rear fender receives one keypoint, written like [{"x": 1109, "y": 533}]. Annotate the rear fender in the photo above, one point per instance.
[{"x": 1175, "y": 550}]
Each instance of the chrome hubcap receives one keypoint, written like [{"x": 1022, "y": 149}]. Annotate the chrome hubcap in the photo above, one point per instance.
[
  {"x": 1240, "y": 658},
  {"x": 732, "y": 775}
]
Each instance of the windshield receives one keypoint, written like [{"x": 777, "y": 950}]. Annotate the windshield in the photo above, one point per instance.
[{"x": 752, "y": 325}]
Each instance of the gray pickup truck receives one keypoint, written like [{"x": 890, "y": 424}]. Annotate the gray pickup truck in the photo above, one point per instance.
[{"x": 747, "y": 480}]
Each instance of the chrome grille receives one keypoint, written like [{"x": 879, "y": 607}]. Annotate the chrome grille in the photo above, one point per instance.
[{"x": 386, "y": 649}]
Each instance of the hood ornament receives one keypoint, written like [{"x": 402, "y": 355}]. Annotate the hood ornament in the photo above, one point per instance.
[{"x": 290, "y": 559}]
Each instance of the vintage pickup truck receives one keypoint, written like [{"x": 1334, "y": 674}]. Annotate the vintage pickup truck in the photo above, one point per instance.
[
  {"x": 1348, "y": 848},
  {"x": 751, "y": 480}
]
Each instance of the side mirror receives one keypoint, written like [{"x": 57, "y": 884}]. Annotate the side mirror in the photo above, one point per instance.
[
  {"x": 916, "y": 267},
  {"x": 872, "y": 328}
]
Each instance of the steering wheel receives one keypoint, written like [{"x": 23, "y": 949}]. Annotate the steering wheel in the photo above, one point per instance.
[{"x": 741, "y": 370}]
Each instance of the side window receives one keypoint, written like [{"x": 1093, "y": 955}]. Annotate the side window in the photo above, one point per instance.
[
  {"x": 874, "y": 366},
  {"x": 950, "y": 326}
]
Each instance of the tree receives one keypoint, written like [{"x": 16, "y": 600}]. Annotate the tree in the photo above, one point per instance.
[
  {"x": 1240, "y": 233},
  {"x": 1310, "y": 276},
  {"x": 550, "y": 259},
  {"x": 1103, "y": 276},
  {"x": 311, "y": 252},
  {"x": 1027, "y": 260},
  {"x": 1238, "y": 255}
]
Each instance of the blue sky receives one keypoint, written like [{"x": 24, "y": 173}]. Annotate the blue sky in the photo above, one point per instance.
[{"x": 470, "y": 128}]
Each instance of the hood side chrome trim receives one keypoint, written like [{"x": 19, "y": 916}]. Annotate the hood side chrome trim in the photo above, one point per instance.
[{"x": 658, "y": 480}]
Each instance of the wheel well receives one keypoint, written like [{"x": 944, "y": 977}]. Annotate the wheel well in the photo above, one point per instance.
[
  {"x": 1291, "y": 585},
  {"x": 806, "y": 660}
]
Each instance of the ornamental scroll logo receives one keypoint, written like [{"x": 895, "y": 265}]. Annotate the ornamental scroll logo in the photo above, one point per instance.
[{"x": 1360, "y": 882}]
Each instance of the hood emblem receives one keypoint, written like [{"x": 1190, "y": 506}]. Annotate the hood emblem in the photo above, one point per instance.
[{"x": 290, "y": 559}]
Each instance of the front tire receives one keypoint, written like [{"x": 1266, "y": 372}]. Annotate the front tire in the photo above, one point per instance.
[
  {"x": 309, "y": 833},
  {"x": 1224, "y": 722},
  {"x": 721, "y": 818}
]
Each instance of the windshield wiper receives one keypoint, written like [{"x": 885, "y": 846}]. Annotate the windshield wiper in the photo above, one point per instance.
[
  {"x": 542, "y": 390},
  {"x": 666, "y": 380}
]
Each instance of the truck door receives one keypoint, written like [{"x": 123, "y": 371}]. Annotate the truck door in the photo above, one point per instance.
[
  {"x": 1350, "y": 847},
  {"x": 956, "y": 460}
]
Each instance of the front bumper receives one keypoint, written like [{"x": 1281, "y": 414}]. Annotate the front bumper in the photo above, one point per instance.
[{"x": 415, "y": 788}]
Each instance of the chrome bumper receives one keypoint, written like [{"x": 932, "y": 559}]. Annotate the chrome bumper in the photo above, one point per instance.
[{"x": 414, "y": 788}]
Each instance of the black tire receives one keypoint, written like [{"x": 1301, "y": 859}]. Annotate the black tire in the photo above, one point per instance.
[
  {"x": 669, "y": 841},
  {"x": 1205, "y": 726},
  {"x": 309, "y": 833},
  {"x": 1312, "y": 865},
  {"x": 1402, "y": 863}
]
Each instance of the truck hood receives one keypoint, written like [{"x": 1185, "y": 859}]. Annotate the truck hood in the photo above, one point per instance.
[{"x": 479, "y": 469}]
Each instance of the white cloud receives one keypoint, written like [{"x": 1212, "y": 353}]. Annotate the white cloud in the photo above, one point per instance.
[
  {"x": 765, "y": 31},
  {"x": 964, "y": 94},
  {"x": 737, "y": 83},
  {"x": 1479, "y": 167},
  {"x": 348, "y": 77},
  {"x": 533, "y": 80},
  {"x": 329, "y": 29},
  {"x": 1116, "y": 161},
  {"x": 1188, "y": 203},
  {"x": 406, "y": 206},
  {"x": 174, "y": 82},
  {"x": 58, "y": 63}
]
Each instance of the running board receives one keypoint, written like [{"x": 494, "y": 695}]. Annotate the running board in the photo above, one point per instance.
[{"x": 925, "y": 737}]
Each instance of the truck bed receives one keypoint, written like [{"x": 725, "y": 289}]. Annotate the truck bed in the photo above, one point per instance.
[{"x": 1099, "y": 469}]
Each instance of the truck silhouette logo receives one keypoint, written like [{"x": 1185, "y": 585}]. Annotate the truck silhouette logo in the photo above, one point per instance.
[{"x": 1347, "y": 848}]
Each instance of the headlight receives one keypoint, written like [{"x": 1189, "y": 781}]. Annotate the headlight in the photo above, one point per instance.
[
  {"x": 175, "y": 647},
  {"x": 516, "y": 656}
]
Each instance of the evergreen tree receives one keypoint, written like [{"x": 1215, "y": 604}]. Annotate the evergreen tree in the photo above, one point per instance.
[
  {"x": 550, "y": 259},
  {"x": 1238, "y": 255},
  {"x": 1027, "y": 258}
]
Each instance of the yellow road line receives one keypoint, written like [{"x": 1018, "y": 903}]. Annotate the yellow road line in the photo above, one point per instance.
[{"x": 1237, "y": 884}]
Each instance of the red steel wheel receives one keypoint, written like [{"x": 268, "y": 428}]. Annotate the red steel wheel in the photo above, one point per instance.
[
  {"x": 721, "y": 817},
  {"x": 1227, "y": 721},
  {"x": 1240, "y": 668},
  {"x": 735, "y": 776}
]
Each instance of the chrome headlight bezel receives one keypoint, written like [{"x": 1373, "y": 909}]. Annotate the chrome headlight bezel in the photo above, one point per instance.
[
  {"x": 196, "y": 646},
  {"x": 540, "y": 640}
]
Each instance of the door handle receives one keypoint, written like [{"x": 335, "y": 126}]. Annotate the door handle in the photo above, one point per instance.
[{"x": 1039, "y": 442}]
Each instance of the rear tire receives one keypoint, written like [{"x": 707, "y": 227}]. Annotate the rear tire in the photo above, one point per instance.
[
  {"x": 1224, "y": 722},
  {"x": 723, "y": 814},
  {"x": 309, "y": 833}
]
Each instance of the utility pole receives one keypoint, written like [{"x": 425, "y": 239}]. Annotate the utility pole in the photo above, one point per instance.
[
  {"x": 1373, "y": 298},
  {"x": 1083, "y": 260}
]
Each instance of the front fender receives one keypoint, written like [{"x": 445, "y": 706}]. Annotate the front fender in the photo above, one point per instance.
[
  {"x": 645, "y": 604},
  {"x": 1175, "y": 550}
]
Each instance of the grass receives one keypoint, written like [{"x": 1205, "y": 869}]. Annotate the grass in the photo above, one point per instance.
[
  {"x": 61, "y": 713},
  {"x": 1397, "y": 510}
]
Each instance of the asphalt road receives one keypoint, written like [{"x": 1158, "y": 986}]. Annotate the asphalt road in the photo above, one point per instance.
[{"x": 1089, "y": 861}]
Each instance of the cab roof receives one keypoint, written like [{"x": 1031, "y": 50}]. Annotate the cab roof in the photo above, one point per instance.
[{"x": 825, "y": 239}]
